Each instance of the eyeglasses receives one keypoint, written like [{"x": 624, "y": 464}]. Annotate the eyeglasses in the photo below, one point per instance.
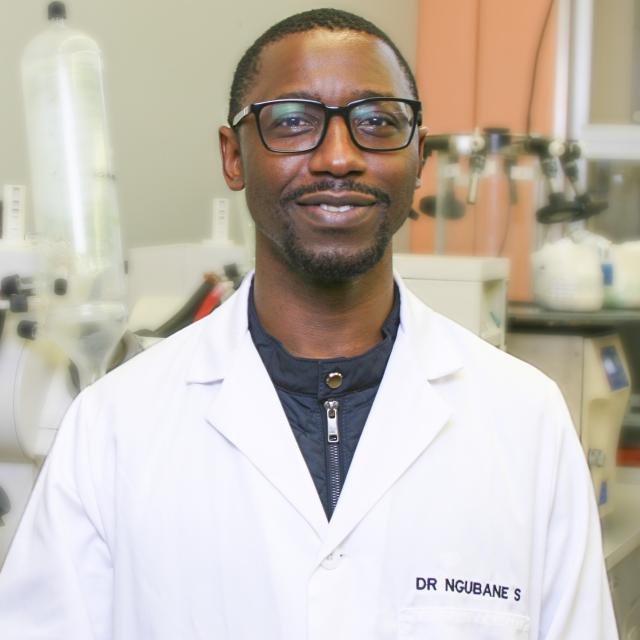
[{"x": 298, "y": 126}]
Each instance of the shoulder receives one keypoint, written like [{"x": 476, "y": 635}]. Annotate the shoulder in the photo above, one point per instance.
[
  {"x": 166, "y": 361},
  {"x": 478, "y": 360},
  {"x": 487, "y": 388},
  {"x": 198, "y": 352}
]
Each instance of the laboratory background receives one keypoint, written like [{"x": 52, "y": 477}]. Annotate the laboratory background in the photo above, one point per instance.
[{"x": 117, "y": 229}]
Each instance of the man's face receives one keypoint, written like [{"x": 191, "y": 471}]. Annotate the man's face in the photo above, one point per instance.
[{"x": 329, "y": 213}]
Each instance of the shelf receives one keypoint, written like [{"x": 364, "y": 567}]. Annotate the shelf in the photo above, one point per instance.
[{"x": 527, "y": 314}]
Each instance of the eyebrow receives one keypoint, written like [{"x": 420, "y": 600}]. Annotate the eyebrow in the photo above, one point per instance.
[{"x": 358, "y": 95}]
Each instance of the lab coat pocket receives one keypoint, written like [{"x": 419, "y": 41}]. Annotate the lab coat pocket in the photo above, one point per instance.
[{"x": 441, "y": 623}]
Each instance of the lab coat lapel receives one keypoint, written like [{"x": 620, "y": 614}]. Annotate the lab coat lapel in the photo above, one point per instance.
[
  {"x": 406, "y": 416},
  {"x": 248, "y": 412}
]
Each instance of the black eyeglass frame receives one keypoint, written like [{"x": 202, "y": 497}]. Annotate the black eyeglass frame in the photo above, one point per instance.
[{"x": 330, "y": 112}]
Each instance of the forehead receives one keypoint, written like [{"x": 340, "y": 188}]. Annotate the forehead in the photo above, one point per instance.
[{"x": 333, "y": 66}]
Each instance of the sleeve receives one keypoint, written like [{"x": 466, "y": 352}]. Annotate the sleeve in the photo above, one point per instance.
[
  {"x": 56, "y": 582},
  {"x": 576, "y": 601}
]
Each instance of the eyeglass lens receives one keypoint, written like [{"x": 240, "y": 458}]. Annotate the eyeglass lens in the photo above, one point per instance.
[{"x": 298, "y": 126}]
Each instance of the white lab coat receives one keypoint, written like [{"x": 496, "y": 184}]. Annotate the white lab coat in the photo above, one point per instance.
[{"x": 176, "y": 505}]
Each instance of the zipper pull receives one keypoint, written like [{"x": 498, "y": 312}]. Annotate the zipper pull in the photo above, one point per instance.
[{"x": 333, "y": 435}]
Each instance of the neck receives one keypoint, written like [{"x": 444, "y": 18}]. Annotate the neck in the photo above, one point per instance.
[{"x": 317, "y": 320}]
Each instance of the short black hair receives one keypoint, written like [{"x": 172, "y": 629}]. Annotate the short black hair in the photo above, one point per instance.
[{"x": 330, "y": 19}]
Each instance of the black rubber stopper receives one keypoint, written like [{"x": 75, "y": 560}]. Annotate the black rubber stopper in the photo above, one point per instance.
[
  {"x": 60, "y": 286},
  {"x": 27, "y": 329},
  {"x": 56, "y": 10},
  {"x": 10, "y": 285}
]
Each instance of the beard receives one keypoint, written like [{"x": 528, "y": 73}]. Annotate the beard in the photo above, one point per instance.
[{"x": 334, "y": 266}]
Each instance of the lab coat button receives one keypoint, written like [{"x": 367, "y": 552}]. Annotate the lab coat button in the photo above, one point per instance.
[
  {"x": 332, "y": 560},
  {"x": 333, "y": 380}
]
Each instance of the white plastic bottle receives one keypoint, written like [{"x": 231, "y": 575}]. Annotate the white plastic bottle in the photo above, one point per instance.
[{"x": 74, "y": 192}]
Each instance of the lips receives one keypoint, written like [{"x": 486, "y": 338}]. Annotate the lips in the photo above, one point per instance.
[
  {"x": 342, "y": 210},
  {"x": 336, "y": 202}
]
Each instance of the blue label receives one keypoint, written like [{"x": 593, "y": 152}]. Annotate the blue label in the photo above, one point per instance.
[
  {"x": 604, "y": 493},
  {"x": 607, "y": 273},
  {"x": 613, "y": 368}
]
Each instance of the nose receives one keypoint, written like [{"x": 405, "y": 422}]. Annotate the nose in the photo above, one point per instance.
[{"x": 337, "y": 155}]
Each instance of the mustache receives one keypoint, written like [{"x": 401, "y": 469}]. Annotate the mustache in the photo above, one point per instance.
[{"x": 336, "y": 186}]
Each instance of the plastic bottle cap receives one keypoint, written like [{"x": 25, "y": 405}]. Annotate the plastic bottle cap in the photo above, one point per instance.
[{"x": 56, "y": 10}]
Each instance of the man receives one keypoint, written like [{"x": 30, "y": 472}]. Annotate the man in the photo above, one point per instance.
[{"x": 323, "y": 457}]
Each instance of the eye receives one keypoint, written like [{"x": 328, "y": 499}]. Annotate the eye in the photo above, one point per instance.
[
  {"x": 380, "y": 120},
  {"x": 376, "y": 121},
  {"x": 293, "y": 122},
  {"x": 288, "y": 120}
]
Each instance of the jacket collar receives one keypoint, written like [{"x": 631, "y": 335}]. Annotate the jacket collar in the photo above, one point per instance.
[{"x": 223, "y": 332}]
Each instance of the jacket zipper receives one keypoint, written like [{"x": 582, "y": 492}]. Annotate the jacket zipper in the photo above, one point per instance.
[{"x": 333, "y": 439}]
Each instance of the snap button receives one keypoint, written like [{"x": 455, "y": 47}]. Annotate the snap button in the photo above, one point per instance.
[
  {"x": 333, "y": 380},
  {"x": 332, "y": 560}
]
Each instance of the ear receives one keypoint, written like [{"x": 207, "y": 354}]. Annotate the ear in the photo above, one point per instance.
[
  {"x": 231, "y": 159},
  {"x": 422, "y": 136}
]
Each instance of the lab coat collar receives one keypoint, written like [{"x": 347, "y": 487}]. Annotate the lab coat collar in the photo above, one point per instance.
[
  {"x": 247, "y": 410},
  {"x": 435, "y": 348},
  {"x": 407, "y": 414},
  {"x": 221, "y": 334},
  {"x": 223, "y": 331}
]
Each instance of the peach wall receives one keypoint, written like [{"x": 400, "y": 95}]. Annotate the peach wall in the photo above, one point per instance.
[{"x": 461, "y": 91}]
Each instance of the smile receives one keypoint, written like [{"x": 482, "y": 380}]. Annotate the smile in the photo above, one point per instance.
[
  {"x": 337, "y": 209},
  {"x": 336, "y": 202}
]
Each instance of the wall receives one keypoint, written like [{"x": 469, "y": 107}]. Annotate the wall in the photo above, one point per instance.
[
  {"x": 474, "y": 68},
  {"x": 612, "y": 80},
  {"x": 168, "y": 71}
]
